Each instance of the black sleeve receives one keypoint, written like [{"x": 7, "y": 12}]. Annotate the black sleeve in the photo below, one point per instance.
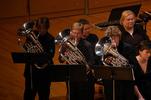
[
  {"x": 49, "y": 48},
  {"x": 52, "y": 47},
  {"x": 89, "y": 54}
]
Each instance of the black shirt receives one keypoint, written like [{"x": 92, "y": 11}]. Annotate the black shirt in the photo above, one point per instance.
[
  {"x": 142, "y": 80},
  {"x": 86, "y": 48},
  {"x": 48, "y": 45},
  {"x": 139, "y": 34}
]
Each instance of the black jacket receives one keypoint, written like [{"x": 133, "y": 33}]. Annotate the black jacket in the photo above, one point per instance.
[{"x": 139, "y": 34}]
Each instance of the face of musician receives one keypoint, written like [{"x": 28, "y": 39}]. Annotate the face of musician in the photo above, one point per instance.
[
  {"x": 86, "y": 30},
  {"x": 144, "y": 50},
  {"x": 42, "y": 29},
  {"x": 145, "y": 54},
  {"x": 115, "y": 34},
  {"x": 128, "y": 19},
  {"x": 76, "y": 34},
  {"x": 115, "y": 39},
  {"x": 76, "y": 31},
  {"x": 42, "y": 25}
]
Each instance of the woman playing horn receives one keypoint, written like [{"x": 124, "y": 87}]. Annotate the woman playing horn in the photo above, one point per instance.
[
  {"x": 76, "y": 50},
  {"x": 123, "y": 89}
]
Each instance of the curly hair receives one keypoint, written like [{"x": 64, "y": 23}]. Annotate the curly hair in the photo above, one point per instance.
[{"x": 113, "y": 31}]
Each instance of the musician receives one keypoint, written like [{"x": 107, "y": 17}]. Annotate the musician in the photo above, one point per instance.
[
  {"x": 90, "y": 37},
  {"x": 80, "y": 90},
  {"x": 132, "y": 33},
  {"x": 142, "y": 70},
  {"x": 123, "y": 89},
  {"x": 37, "y": 81}
]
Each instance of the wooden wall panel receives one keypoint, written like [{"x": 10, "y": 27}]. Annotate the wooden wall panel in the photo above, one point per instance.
[
  {"x": 11, "y": 75},
  {"x": 12, "y": 8},
  {"x": 97, "y": 6},
  {"x": 56, "y": 8}
]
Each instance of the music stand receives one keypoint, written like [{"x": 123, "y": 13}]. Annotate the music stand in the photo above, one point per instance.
[
  {"x": 31, "y": 58},
  {"x": 23, "y": 57},
  {"x": 70, "y": 73},
  {"x": 114, "y": 73},
  {"x": 58, "y": 73}
]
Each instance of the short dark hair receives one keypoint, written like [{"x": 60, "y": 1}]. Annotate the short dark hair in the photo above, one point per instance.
[
  {"x": 43, "y": 21},
  {"x": 83, "y": 21},
  {"x": 66, "y": 32},
  {"x": 143, "y": 45}
]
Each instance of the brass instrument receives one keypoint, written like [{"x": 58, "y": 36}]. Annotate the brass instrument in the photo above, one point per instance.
[
  {"x": 110, "y": 56},
  {"x": 31, "y": 44},
  {"x": 69, "y": 51},
  {"x": 28, "y": 40}
]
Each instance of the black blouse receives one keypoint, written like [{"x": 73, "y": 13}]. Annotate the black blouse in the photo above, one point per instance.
[
  {"x": 142, "y": 80},
  {"x": 139, "y": 34}
]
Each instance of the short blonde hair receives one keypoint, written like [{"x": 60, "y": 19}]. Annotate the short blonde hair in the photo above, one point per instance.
[
  {"x": 125, "y": 14},
  {"x": 77, "y": 25},
  {"x": 113, "y": 31}
]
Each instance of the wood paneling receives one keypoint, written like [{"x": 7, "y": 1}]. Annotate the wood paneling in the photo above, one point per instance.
[
  {"x": 11, "y": 75},
  {"x": 57, "y": 8},
  {"x": 96, "y": 6},
  {"x": 13, "y": 8}
]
